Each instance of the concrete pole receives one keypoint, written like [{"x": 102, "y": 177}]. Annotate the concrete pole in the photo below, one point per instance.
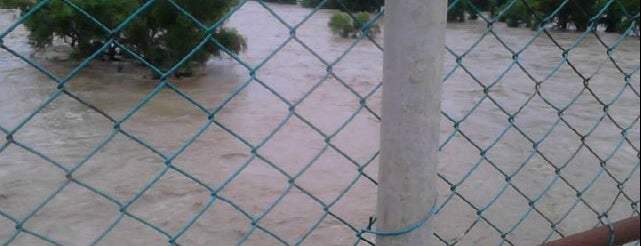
[{"x": 413, "y": 62}]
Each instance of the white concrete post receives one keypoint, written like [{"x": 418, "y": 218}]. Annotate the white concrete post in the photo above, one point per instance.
[{"x": 413, "y": 62}]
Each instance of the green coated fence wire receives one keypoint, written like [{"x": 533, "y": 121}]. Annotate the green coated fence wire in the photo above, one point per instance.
[{"x": 541, "y": 23}]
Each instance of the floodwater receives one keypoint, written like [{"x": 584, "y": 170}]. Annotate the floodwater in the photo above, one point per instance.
[{"x": 256, "y": 120}]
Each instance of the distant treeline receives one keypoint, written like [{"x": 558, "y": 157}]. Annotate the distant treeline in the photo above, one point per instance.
[
  {"x": 345, "y": 5},
  {"x": 615, "y": 16}
]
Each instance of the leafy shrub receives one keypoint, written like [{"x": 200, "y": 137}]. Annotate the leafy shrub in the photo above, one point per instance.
[
  {"x": 349, "y": 5},
  {"x": 575, "y": 13},
  {"x": 344, "y": 25},
  {"x": 160, "y": 35},
  {"x": 456, "y": 11},
  {"x": 283, "y": 1},
  {"x": 516, "y": 15},
  {"x": 341, "y": 24},
  {"x": 10, "y": 4}
]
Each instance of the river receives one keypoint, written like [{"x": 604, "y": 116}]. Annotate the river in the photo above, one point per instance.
[{"x": 66, "y": 131}]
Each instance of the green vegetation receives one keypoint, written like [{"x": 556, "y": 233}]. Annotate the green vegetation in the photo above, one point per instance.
[
  {"x": 346, "y": 5},
  {"x": 579, "y": 14},
  {"x": 344, "y": 25},
  {"x": 341, "y": 24},
  {"x": 576, "y": 14},
  {"x": 160, "y": 34},
  {"x": 518, "y": 15},
  {"x": 10, "y": 4},
  {"x": 282, "y": 1},
  {"x": 457, "y": 9}
]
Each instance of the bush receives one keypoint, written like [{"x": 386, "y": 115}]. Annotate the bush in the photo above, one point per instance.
[
  {"x": 160, "y": 35},
  {"x": 330, "y": 4},
  {"x": 619, "y": 20},
  {"x": 361, "y": 18},
  {"x": 348, "y": 5},
  {"x": 516, "y": 15},
  {"x": 282, "y": 1},
  {"x": 456, "y": 11},
  {"x": 577, "y": 13},
  {"x": 343, "y": 25},
  {"x": 10, "y": 4}
]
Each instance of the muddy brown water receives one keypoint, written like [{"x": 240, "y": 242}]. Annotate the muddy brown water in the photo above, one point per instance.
[{"x": 66, "y": 131}]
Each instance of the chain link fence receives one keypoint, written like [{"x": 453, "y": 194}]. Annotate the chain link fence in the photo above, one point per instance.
[
  {"x": 547, "y": 148},
  {"x": 278, "y": 145}
]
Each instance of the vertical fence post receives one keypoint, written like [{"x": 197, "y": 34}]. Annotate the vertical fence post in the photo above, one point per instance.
[{"x": 413, "y": 62}]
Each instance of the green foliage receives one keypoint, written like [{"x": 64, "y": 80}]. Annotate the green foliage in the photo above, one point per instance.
[
  {"x": 11, "y": 4},
  {"x": 329, "y": 4},
  {"x": 282, "y": 1},
  {"x": 160, "y": 34},
  {"x": 344, "y": 25},
  {"x": 575, "y": 13},
  {"x": 456, "y": 11},
  {"x": 360, "y": 19},
  {"x": 517, "y": 14},
  {"x": 621, "y": 15},
  {"x": 339, "y": 20},
  {"x": 341, "y": 24},
  {"x": 349, "y": 5},
  {"x": 230, "y": 38}
]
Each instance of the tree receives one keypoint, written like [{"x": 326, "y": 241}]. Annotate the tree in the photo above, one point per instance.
[
  {"x": 346, "y": 5},
  {"x": 161, "y": 34},
  {"x": 621, "y": 15},
  {"x": 283, "y": 1},
  {"x": 456, "y": 11},
  {"x": 519, "y": 14},
  {"x": 580, "y": 14},
  {"x": 10, "y": 4}
]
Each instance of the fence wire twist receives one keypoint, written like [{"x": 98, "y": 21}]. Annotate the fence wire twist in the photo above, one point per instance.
[
  {"x": 456, "y": 130},
  {"x": 624, "y": 83}
]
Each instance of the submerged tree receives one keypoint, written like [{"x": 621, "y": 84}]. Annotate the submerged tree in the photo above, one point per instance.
[
  {"x": 283, "y": 1},
  {"x": 346, "y": 5},
  {"x": 459, "y": 9},
  {"x": 10, "y": 4},
  {"x": 616, "y": 16},
  {"x": 161, "y": 34},
  {"x": 456, "y": 11},
  {"x": 353, "y": 26}
]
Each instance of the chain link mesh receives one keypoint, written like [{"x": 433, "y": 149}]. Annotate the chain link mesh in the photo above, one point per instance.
[{"x": 540, "y": 135}]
